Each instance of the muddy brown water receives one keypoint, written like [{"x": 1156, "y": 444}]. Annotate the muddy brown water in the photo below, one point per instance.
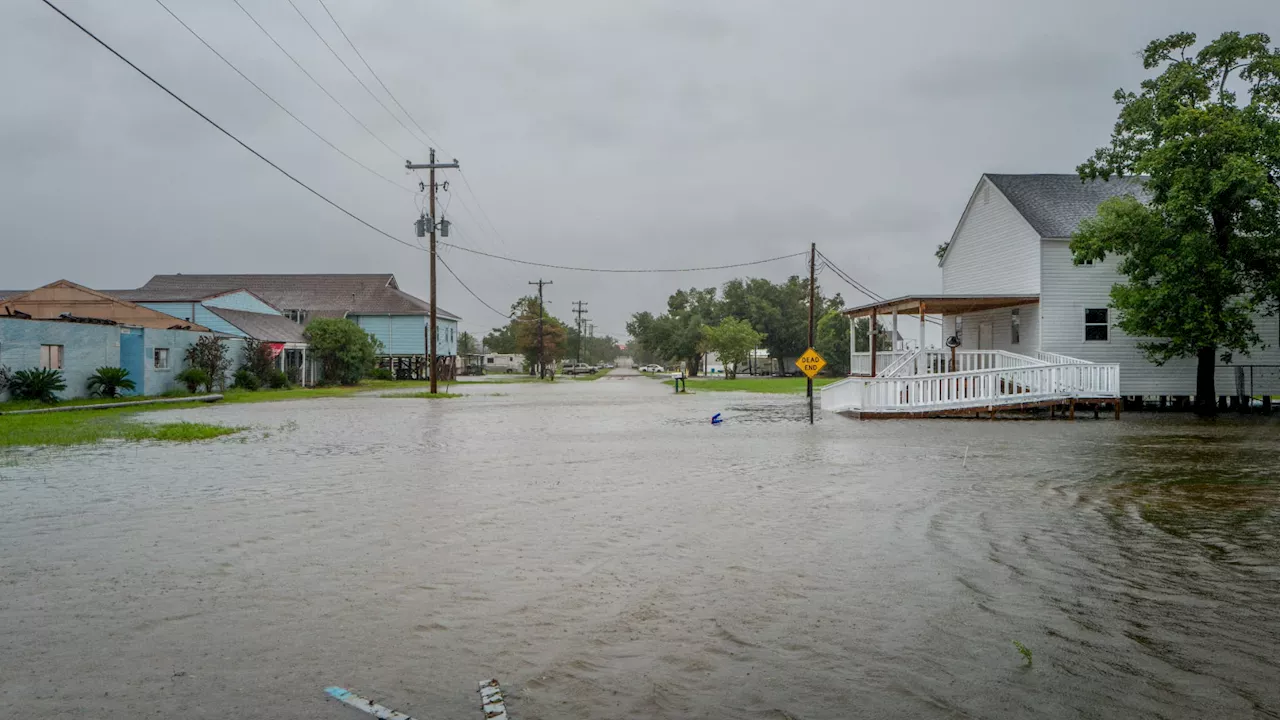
[{"x": 606, "y": 552}]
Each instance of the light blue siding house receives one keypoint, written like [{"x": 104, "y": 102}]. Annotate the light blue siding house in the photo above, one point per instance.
[{"x": 375, "y": 302}]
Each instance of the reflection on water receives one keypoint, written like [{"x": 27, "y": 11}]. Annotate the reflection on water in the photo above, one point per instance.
[{"x": 607, "y": 552}]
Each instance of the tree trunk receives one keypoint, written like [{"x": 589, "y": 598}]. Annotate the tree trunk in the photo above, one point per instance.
[{"x": 1206, "y": 395}]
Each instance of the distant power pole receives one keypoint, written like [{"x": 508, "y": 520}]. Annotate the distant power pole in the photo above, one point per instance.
[
  {"x": 430, "y": 220},
  {"x": 579, "y": 307},
  {"x": 813, "y": 261},
  {"x": 542, "y": 362}
]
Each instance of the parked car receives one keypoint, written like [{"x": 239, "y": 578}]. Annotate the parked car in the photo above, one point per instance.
[
  {"x": 578, "y": 369},
  {"x": 651, "y": 369}
]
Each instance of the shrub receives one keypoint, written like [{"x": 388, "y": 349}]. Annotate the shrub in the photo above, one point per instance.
[
  {"x": 210, "y": 355},
  {"x": 37, "y": 384},
  {"x": 245, "y": 379},
  {"x": 345, "y": 351},
  {"x": 193, "y": 378},
  {"x": 107, "y": 382},
  {"x": 259, "y": 360},
  {"x": 278, "y": 380},
  {"x": 5, "y": 375},
  {"x": 381, "y": 374}
]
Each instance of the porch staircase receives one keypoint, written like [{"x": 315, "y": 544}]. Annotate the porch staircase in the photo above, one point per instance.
[{"x": 924, "y": 383}]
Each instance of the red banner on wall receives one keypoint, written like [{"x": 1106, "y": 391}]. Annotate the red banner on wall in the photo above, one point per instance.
[{"x": 276, "y": 348}]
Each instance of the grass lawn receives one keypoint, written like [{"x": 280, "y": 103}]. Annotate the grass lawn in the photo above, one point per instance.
[
  {"x": 90, "y": 426},
  {"x": 593, "y": 376},
  {"x": 422, "y": 395},
  {"x": 754, "y": 384}
]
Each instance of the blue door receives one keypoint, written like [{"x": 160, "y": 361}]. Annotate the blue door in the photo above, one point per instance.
[{"x": 131, "y": 358}]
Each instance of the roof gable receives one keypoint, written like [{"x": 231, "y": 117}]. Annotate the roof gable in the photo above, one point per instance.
[
  {"x": 63, "y": 296},
  {"x": 1054, "y": 205}
]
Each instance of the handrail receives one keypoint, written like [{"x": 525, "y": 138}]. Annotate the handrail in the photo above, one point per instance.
[
  {"x": 973, "y": 388},
  {"x": 900, "y": 363},
  {"x": 1056, "y": 359}
]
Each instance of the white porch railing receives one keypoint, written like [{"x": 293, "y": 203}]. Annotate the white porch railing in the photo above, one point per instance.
[
  {"x": 1056, "y": 359},
  {"x": 1012, "y": 385},
  {"x": 915, "y": 362}
]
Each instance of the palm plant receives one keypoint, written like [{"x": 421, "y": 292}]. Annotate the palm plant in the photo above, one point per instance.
[
  {"x": 37, "y": 384},
  {"x": 109, "y": 381}
]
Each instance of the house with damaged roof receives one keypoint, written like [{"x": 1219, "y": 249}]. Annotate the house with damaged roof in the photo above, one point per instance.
[{"x": 375, "y": 302}]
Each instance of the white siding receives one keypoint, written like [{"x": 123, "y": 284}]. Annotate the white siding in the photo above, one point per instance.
[
  {"x": 993, "y": 251},
  {"x": 1066, "y": 290},
  {"x": 1001, "y": 329}
]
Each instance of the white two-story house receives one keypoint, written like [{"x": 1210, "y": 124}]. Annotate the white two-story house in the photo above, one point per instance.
[{"x": 1012, "y": 298}]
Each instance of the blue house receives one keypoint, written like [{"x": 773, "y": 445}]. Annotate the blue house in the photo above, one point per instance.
[{"x": 375, "y": 302}]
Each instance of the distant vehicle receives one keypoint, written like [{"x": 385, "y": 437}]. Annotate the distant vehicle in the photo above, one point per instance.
[
  {"x": 578, "y": 369},
  {"x": 651, "y": 369}
]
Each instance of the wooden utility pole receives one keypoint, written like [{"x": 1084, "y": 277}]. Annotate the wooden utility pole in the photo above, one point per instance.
[
  {"x": 579, "y": 307},
  {"x": 542, "y": 363},
  {"x": 431, "y": 167},
  {"x": 813, "y": 258}
]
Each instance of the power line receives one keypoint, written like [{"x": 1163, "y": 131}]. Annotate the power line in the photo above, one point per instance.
[
  {"x": 338, "y": 57},
  {"x": 272, "y": 38},
  {"x": 464, "y": 287},
  {"x": 862, "y": 288},
  {"x": 622, "y": 270},
  {"x": 224, "y": 131},
  {"x": 368, "y": 67},
  {"x": 277, "y": 103}
]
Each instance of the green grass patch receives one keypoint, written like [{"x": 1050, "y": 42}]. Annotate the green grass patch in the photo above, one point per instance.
[
  {"x": 753, "y": 384},
  {"x": 90, "y": 426},
  {"x": 422, "y": 395},
  {"x": 593, "y": 376},
  {"x": 77, "y": 402}
]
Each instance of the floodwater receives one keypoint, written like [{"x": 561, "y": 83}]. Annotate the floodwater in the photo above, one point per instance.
[{"x": 606, "y": 552}]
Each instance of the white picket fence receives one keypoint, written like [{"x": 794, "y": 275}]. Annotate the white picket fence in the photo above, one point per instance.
[{"x": 1016, "y": 379}]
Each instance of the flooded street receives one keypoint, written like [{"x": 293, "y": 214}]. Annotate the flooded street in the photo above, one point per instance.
[{"x": 606, "y": 552}]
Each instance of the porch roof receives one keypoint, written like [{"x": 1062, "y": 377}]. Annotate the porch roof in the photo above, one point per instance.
[{"x": 941, "y": 304}]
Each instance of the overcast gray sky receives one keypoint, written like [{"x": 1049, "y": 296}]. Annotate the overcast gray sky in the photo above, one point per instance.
[{"x": 615, "y": 134}]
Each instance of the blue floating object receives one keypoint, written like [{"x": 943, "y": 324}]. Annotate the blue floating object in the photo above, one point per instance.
[{"x": 715, "y": 419}]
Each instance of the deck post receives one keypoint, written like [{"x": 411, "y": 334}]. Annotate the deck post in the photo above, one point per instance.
[
  {"x": 852, "y": 338},
  {"x": 921, "y": 348},
  {"x": 1072, "y": 410},
  {"x": 895, "y": 330},
  {"x": 1117, "y": 410},
  {"x": 871, "y": 334}
]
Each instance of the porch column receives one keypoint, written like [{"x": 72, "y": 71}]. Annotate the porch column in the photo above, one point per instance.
[
  {"x": 921, "y": 348},
  {"x": 895, "y": 330},
  {"x": 852, "y": 336},
  {"x": 871, "y": 333},
  {"x": 303, "y": 375}
]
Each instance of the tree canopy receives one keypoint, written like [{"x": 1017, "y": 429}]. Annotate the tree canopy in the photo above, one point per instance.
[
  {"x": 733, "y": 340},
  {"x": 779, "y": 311},
  {"x": 1200, "y": 256},
  {"x": 345, "y": 351}
]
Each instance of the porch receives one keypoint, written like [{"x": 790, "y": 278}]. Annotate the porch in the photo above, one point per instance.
[{"x": 904, "y": 381}]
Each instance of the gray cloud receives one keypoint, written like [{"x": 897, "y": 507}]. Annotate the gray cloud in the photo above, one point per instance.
[{"x": 644, "y": 134}]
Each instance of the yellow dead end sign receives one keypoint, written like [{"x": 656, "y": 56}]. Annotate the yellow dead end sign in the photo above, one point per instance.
[{"x": 811, "y": 363}]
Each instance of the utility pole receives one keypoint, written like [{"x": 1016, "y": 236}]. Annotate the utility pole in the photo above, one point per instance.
[
  {"x": 813, "y": 257},
  {"x": 430, "y": 220},
  {"x": 542, "y": 363},
  {"x": 579, "y": 307}
]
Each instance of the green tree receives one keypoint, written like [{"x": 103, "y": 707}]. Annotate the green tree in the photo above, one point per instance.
[
  {"x": 524, "y": 330},
  {"x": 733, "y": 340},
  {"x": 1200, "y": 258},
  {"x": 832, "y": 342},
  {"x": 209, "y": 354},
  {"x": 467, "y": 344},
  {"x": 345, "y": 351},
  {"x": 259, "y": 361}
]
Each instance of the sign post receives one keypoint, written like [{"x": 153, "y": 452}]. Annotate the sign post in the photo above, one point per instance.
[{"x": 811, "y": 363}]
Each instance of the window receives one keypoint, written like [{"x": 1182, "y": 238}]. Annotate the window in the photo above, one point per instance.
[
  {"x": 298, "y": 316},
  {"x": 491, "y": 361},
  {"x": 51, "y": 357},
  {"x": 1096, "y": 325},
  {"x": 161, "y": 359},
  {"x": 1015, "y": 325}
]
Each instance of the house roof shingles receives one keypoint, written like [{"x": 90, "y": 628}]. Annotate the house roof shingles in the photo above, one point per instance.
[
  {"x": 333, "y": 295},
  {"x": 260, "y": 326},
  {"x": 1054, "y": 205}
]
